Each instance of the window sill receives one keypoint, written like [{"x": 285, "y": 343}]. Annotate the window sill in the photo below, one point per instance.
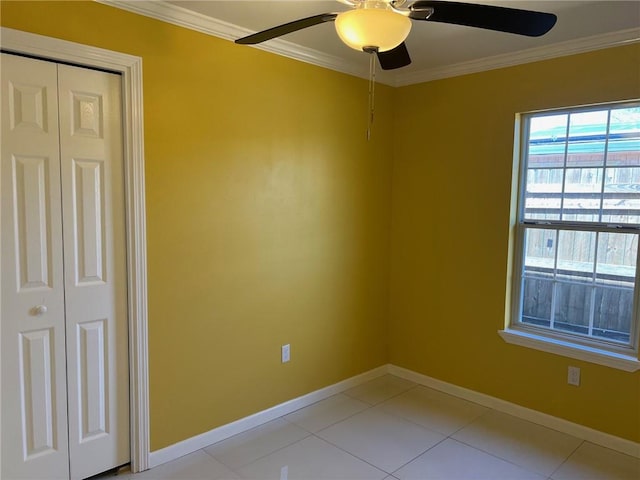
[{"x": 572, "y": 350}]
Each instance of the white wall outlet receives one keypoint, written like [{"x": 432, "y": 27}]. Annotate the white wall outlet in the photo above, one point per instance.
[
  {"x": 573, "y": 376},
  {"x": 286, "y": 353}
]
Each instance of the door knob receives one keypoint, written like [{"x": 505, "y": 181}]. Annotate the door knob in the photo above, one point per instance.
[{"x": 39, "y": 310}]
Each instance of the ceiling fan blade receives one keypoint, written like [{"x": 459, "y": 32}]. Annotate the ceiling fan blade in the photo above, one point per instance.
[
  {"x": 286, "y": 28},
  {"x": 489, "y": 17},
  {"x": 395, "y": 58}
]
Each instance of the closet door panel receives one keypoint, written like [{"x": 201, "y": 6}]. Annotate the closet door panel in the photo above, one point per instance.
[
  {"x": 32, "y": 335},
  {"x": 95, "y": 269}
]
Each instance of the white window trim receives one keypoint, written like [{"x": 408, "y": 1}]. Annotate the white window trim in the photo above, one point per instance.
[
  {"x": 551, "y": 341},
  {"x": 586, "y": 353}
]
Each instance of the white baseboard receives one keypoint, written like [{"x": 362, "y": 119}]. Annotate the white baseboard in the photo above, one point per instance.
[
  {"x": 198, "y": 442},
  {"x": 580, "y": 431},
  {"x": 205, "y": 439}
]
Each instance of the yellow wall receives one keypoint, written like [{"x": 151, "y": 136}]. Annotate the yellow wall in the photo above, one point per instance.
[
  {"x": 269, "y": 220},
  {"x": 450, "y": 233},
  {"x": 268, "y": 217}
]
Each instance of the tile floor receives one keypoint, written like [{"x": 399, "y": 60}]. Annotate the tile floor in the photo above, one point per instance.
[{"x": 390, "y": 428}]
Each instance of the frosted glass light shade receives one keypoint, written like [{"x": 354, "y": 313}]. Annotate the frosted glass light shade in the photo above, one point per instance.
[{"x": 372, "y": 27}]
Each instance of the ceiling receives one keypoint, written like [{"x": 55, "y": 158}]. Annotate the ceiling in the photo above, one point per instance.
[{"x": 437, "y": 50}]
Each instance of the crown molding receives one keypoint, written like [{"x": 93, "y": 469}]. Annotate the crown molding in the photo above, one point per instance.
[
  {"x": 562, "y": 49},
  {"x": 176, "y": 15}
]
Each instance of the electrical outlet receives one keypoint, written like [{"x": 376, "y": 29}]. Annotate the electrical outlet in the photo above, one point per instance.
[
  {"x": 573, "y": 376},
  {"x": 286, "y": 353}
]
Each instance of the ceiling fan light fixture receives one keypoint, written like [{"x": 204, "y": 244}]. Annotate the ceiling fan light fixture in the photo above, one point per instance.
[{"x": 381, "y": 28}]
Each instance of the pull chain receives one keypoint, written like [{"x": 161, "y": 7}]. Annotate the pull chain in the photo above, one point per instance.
[{"x": 372, "y": 87}]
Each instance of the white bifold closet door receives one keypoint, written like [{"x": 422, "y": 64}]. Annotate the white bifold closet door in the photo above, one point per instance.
[{"x": 63, "y": 315}]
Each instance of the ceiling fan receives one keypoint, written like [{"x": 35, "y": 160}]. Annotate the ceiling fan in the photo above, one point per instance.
[{"x": 381, "y": 26}]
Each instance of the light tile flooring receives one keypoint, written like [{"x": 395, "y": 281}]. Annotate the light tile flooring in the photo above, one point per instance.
[{"x": 390, "y": 428}]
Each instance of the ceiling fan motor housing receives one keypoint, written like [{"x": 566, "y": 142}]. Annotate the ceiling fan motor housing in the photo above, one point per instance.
[{"x": 372, "y": 24}]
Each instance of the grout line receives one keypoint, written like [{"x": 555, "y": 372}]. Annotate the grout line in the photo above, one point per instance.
[
  {"x": 368, "y": 407},
  {"x": 233, "y": 469},
  {"x": 417, "y": 456},
  {"x": 497, "y": 457},
  {"x": 352, "y": 454},
  {"x": 377, "y": 406},
  {"x": 238, "y": 467},
  {"x": 568, "y": 457},
  {"x": 473, "y": 420}
]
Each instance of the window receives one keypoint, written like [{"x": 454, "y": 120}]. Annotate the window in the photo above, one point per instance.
[{"x": 576, "y": 279}]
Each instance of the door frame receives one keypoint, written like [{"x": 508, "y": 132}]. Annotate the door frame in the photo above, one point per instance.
[{"x": 130, "y": 69}]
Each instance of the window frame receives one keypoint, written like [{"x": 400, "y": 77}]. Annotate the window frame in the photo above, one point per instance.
[{"x": 577, "y": 346}]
